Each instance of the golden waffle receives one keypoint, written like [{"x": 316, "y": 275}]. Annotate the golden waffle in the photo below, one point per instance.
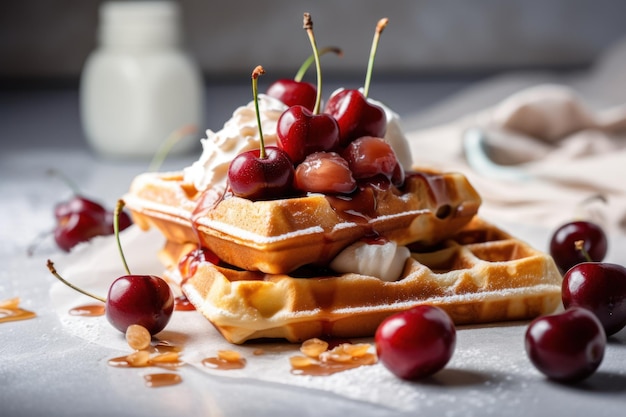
[
  {"x": 279, "y": 236},
  {"x": 481, "y": 274}
]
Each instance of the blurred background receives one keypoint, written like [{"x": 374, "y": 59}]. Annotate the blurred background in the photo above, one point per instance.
[{"x": 430, "y": 49}]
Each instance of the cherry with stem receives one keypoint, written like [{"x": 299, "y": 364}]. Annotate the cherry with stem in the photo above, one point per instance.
[
  {"x": 263, "y": 173},
  {"x": 295, "y": 91},
  {"x": 355, "y": 115},
  {"x": 301, "y": 131}
]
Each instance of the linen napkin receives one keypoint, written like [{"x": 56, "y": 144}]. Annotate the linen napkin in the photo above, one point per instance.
[{"x": 542, "y": 155}]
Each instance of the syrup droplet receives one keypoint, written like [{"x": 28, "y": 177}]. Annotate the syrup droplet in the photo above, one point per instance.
[
  {"x": 162, "y": 380},
  {"x": 181, "y": 303},
  {"x": 88, "y": 310}
]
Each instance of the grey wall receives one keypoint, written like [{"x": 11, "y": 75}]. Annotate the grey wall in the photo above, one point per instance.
[{"x": 52, "y": 38}]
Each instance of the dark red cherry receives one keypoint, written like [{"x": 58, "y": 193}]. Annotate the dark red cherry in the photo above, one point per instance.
[
  {"x": 257, "y": 178},
  {"x": 416, "y": 343},
  {"x": 78, "y": 227},
  {"x": 324, "y": 172},
  {"x": 300, "y": 133},
  {"x": 139, "y": 299},
  {"x": 563, "y": 248},
  {"x": 356, "y": 116},
  {"x": 568, "y": 346},
  {"x": 370, "y": 156},
  {"x": 600, "y": 288},
  {"x": 78, "y": 204},
  {"x": 293, "y": 93}
]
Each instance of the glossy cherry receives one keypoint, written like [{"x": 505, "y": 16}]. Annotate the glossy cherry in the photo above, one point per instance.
[
  {"x": 79, "y": 218},
  {"x": 416, "y": 343},
  {"x": 77, "y": 227},
  {"x": 294, "y": 91},
  {"x": 324, "y": 172},
  {"x": 263, "y": 173},
  {"x": 301, "y": 131},
  {"x": 563, "y": 248},
  {"x": 355, "y": 115},
  {"x": 139, "y": 299},
  {"x": 599, "y": 287},
  {"x": 258, "y": 177},
  {"x": 370, "y": 156},
  {"x": 78, "y": 204},
  {"x": 566, "y": 347}
]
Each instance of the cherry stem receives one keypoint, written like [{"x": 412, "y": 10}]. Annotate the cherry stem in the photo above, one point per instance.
[
  {"x": 308, "y": 26},
  {"x": 67, "y": 180},
  {"x": 167, "y": 145},
  {"x": 580, "y": 246},
  {"x": 54, "y": 272},
  {"x": 30, "y": 250},
  {"x": 382, "y": 23},
  {"x": 116, "y": 229},
  {"x": 307, "y": 63},
  {"x": 256, "y": 73}
]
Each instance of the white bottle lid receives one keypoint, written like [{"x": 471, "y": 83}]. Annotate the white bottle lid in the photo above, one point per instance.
[{"x": 140, "y": 24}]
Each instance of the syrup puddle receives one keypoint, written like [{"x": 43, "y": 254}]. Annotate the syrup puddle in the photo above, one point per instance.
[
  {"x": 223, "y": 364},
  {"x": 88, "y": 310},
  {"x": 331, "y": 367},
  {"x": 162, "y": 380},
  {"x": 10, "y": 311}
]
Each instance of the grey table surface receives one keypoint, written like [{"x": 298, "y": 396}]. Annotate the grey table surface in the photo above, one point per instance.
[{"x": 44, "y": 370}]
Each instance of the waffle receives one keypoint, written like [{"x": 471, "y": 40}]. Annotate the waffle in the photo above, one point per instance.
[
  {"x": 280, "y": 236},
  {"x": 481, "y": 274}
]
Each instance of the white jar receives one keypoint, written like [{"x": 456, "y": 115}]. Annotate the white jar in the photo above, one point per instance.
[{"x": 139, "y": 86}]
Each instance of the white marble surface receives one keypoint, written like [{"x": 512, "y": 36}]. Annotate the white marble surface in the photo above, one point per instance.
[{"x": 48, "y": 368}]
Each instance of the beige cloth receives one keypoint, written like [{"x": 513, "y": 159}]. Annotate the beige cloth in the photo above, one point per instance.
[{"x": 550, "y": 151}]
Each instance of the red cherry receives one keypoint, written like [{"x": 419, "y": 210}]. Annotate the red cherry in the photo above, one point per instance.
[
  {"x": 600, "y": 288},
  {"x": 297, "y": 92},
  {"x": 264, "y": 173},
  {"x": 416, "y": 343},
  {"x": 78, "y": 227},
  {"x": 370, "y": 156},
  {"x": 139, "y": 299},
  {"x": 261, "y": 178},
  {"x": 78, "y": 204},
  {"x": 292, "y": 93},
  {"x": 356, "y": 116},
  {"x": 563, "y": 248},
  {"x": 324, "y": 172},
  {"x": 566, "y": 347},
  {"x": 300, "y": 133}
]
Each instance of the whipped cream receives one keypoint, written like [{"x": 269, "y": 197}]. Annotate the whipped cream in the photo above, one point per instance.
[
  {"x": 385, "y": 261},
  {"x": 239, "y": 134}
]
